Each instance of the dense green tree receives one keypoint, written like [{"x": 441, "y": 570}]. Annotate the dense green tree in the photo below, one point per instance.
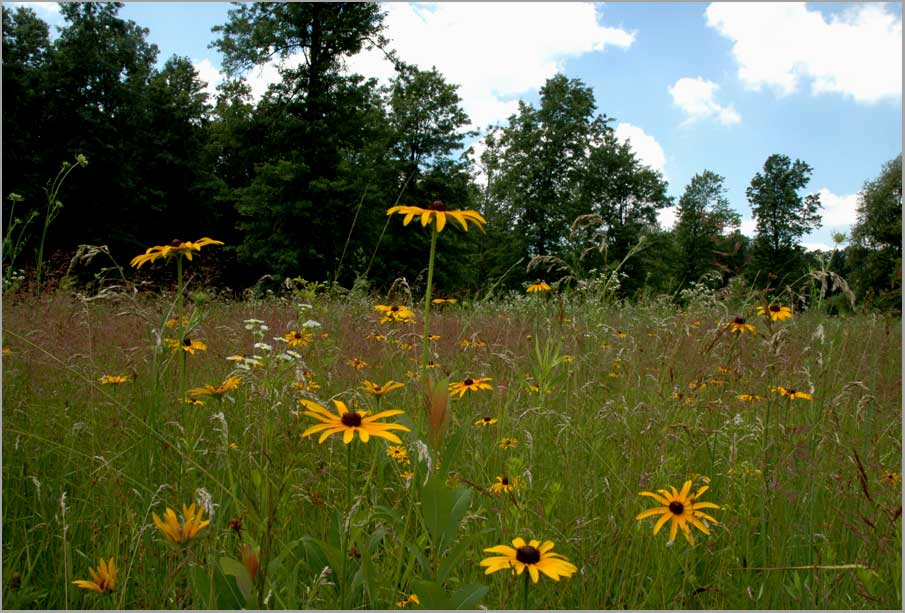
[
  {"x": 626, "y": 194},
  {"x": 783, "y": 216},
  {"x": 542, "y": 160},
  {"x": 875, "y": 254},
  {"x": 26, "y": 46},
  {"x": 703, "y": 219}
]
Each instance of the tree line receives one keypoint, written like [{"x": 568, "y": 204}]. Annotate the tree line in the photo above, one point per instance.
[{"x": 297, "y": 183}]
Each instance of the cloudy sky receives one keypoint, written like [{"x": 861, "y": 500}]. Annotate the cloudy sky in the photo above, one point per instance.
[{"x": 693, "y": 86}]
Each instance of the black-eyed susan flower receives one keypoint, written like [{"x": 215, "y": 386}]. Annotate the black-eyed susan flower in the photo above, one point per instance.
[
  {"x": 508, "y": 443},
  {"x": 195, "y": 402},
  {"x": 568, "y": 359},
  {"x": 7, "y": 351},
  {"x": 410, "y": 599},
  {"x": 790, "y": 393},
  {"x": 537, "y": 557},
  {"x": 681, "y": 509},
  {"x": 433, "y": 337},
  {"x": 177, "y": 247},
  {"x": 407, "y": 474},
  {"x": 619, "y": 334},
  {"x": 775, "y": 312},
  {"x": 439, "y": 211},
  {"x": 298, "y": 338},
  {"x": 191, "y": 523},
  {"x": 395, "y": 313},
  {"x": 380, "y": 390},
  {"x": 398, "y": 453},
  {"x": 188, "y": 345},
  {"x": 485, "y": 421},
  {"x": 349, "y": 422},
  {"x": 308, "y": 385},
  {"x": 538, "y": 286},
  {"x": 444, "y": 301},
  {"x": 504, "y": 484},
  {"x": 431, "y": 364},
  {"x": 356, "y": 363},
  {"x": 739, "y": 326},
  {"x": 102, "y": 581},
  {"x": 891, "y": 478},
  {"x": 534, "y": 388},
  {"x": 469, "y": 385},
  {"x": 113, "y": 379},
  {"x": 749, "y": 397},
  {"x": 231, "y": 383}
]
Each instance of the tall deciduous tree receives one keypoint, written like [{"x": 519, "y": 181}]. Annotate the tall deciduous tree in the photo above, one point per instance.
[
  {"x": 544, "y": 154},
  {"x": 783, "y": 216},
  {"x": 875, "y": 254},
  {"x": 704, "y": 218}
]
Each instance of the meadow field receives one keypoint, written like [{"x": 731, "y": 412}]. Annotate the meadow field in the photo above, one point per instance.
[{"x": 563, "y": 410}]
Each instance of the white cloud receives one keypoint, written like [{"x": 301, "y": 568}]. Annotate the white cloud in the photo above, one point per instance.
[
  {"x": 643, "y": 144},
  {"x": 667, "y": 217},
  {"x": 748, "y": 227},
  {"x": 695, "y": 96},
  {"x": 817, "y": 247},
  {"x": 838, "y": 210},
  {"x": 493, "y": 51},
  {"x": 857, "y": 52},
  {"x": 208, "y": 73}
]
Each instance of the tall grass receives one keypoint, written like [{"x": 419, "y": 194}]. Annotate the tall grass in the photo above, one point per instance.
[{"x": 801, "y": 484}]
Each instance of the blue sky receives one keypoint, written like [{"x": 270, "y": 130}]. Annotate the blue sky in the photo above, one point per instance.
[{"x": 694, "y": 86}]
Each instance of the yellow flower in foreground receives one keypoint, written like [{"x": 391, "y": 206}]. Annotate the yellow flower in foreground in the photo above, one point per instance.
[
  {"x": 438, "y": 210},
  {"x": 504, "y": 484},
  {"x": 749, "y": 397},
  {"x": 229, "y": 385},
  {"x": 398, "y": 453},
  {"x": 188, "y": 345},
  {"x": 349, "y": 422},
  {"x": 472, "y": 385},
  {"x": 508, "y": 443},
  {"x": 177, "y": 247},
  {"x": 538, "y": 286},
  {"x": 536, "y": 557},
  {"x": 739, "y": 326},
  {"x": 104, "y": 580},
  {"x": 297, "y": 338},
  {"x": 380, "y": 390},
  {"x": 790, "y": 393},
  {"x": 485, "y": 421},
  {"x": 891, "y": 478},
  {"x": 775, "y": 312},
  {"x": 356, "y": 363},
  {"x": 113, "y": 379},
  {"x": 181, "y": 533},
  {"x": 681, "y": 509},
  {"x": 410, "y": 599},
  {"x": 395, "y": 313}
]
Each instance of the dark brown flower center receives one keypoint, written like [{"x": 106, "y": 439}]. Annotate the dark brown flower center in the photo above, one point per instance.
[
  {"x": 739, "y": 321},
  {"x": 676, "y": 507},
  {"x": 527, "y": 555},
  {"x": 175, "y": 242},
  {"x": 394, "y": 308},
  {"x": 467, "y": 382},
  {"x": 774, "y": 308},
  {"x": 790, "y": 392},
  {"x": 437, "y": 205},
  {"x": 377, "y": 388},
  {"x": 351, "y": 419},
  {"x": 187, "y": 341},
  {"x": 487, "y": 420},
  {"x": 505, "y": 481}
]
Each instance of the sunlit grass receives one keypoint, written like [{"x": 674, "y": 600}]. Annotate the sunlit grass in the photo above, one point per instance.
[{"x": 650, "y": 397}]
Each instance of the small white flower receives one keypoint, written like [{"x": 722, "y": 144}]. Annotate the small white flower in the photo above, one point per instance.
[
  {"x": 263, "y": 346},
  {"x": 311, "y": 324},
  {"x": 294, "y": 354}
]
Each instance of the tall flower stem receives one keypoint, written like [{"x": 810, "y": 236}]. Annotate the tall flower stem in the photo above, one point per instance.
[
  {"x": 525, "y": 602},
  {"x": 425, "y": 341},
  {"x": 181, "y": 324}
]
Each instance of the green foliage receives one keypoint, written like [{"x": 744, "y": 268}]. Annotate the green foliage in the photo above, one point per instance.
[
  {"x": 875, "y": 255},
  {"x": 704, "y": 218},
  {"x": 782, "y": 217}
]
